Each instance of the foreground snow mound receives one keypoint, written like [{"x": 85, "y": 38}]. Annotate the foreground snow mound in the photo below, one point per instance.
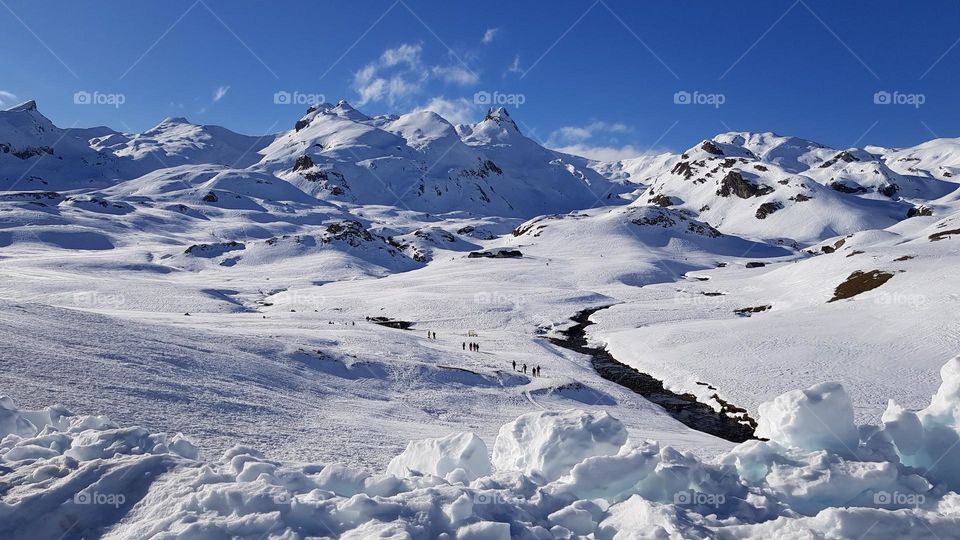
[
  {"x": 560, "y": 475},
  {"x": 461, "y": 452},
  {"x": 930, "y": 438},
  {"x": 820, "y": 417},
  {"x": 548, "y": 444}
]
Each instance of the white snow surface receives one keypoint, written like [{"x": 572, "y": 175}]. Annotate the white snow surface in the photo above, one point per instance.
[
  {"x": 195, "y": 281},
  {"x": 77, "y": 476}
]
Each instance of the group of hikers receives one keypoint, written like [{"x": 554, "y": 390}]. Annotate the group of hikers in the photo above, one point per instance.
[
  {"x": 535, "y": 371},
  {"x": 473, "y": 346}
]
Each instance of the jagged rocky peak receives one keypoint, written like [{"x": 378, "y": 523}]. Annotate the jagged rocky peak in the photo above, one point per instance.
[
  {"x": 501, "y": 117},
  {"x": 25, "y": 106}
]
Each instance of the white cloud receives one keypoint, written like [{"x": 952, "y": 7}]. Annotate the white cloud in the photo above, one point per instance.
[
  {"x": 404, "y": 54},
  {"x": 400, "y": 73},
  {"x": 456, "y": 111},
  {"x": 601, "y": 153},
  {"x": 575, "y": 140},
  {"x": 575, "y": 134},
  {"x": 219, "y": 93},
  {"x": 456, "y": 74},
  {"x": 6, "y": 97},
  {"x": 515, "y": 66},
  {"x": 490, "y": 35}
]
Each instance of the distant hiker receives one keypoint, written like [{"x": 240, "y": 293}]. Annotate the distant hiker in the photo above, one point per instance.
[
  {"x": 514, "y": 365},
  {"x": 524, "y": 368},
  {"x": 464, "y": 345},
  {"x": 537, "y": 371}
]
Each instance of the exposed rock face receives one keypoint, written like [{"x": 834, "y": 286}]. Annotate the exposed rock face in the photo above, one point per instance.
[
  {"x": 711, "y": 148},
  {"x": 735, "y": 184},
  {"x": 844, "y": 188},
  {"x": 919, "y": 211},
  {"x": 303, "y": 162},
  {"x": 498, "y": 254},
  {"x": 662, "y": 200},
  {"x": 860, "y": 282},
  {"x": 768, "y": 208}
]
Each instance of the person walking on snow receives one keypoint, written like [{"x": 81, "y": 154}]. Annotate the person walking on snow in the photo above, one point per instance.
[
  {"x": 464, "y": 345},
  {"x": 524, "y": 369},
  {"x": 514, "y": 365}
]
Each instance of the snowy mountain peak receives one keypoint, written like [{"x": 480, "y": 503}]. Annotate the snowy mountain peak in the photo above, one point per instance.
[
  {"x": 174, "y": 120},
  {"x": 25, "y": 106},
  {"x": 501, "y": 117}
]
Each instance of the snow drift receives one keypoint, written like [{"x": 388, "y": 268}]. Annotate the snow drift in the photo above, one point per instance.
[{"x": 559, "y": 475}]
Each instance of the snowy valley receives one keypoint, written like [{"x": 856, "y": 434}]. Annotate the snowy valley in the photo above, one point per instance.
[{"x": 209, "y": 334}]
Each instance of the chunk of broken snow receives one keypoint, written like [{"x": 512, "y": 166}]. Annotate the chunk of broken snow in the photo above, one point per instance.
[
  {"x": 818, "y": 418},
  {"x": 443, "y": 456},
  {"x": 550, "y": 443}
]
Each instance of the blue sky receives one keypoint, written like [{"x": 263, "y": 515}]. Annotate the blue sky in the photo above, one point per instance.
[{"x": 599, "y": 77}]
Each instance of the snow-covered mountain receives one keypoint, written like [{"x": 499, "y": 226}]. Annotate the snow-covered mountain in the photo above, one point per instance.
[
  {"x": 781, "y": 188},
  {"x": 313, "y": 294},
  {"x": 37, "y": 155},
  {"x": 422, "y": 162}
]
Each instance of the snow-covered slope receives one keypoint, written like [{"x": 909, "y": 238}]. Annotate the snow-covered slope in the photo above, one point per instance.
[
  {"x": 419, "y": 161},
  {"x": 176, "y": 141},
  {"x": 37, "y": 155},
  {"x": 331, "y": 292}
]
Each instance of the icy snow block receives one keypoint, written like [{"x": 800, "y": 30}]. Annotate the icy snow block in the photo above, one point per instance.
[
  {"x": 484, "y": 530},
  {"x": 549, "y": 443},
  {"x": 442, "y": 456},
  {"x": 818, "y": 418}
]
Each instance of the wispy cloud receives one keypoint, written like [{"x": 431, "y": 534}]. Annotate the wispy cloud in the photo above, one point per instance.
[
  {"x": 490, "y": 35},
  {"x": 6, "y": 97},
  {"x": 219, "y": 93},
  {"x": 400, "y": 73},
  {"x": 580, "y": 140},
  {"x": 455, "y": 111},
  {"x": 515, "y": 66},
  {"x": 456, "y": 74}
]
